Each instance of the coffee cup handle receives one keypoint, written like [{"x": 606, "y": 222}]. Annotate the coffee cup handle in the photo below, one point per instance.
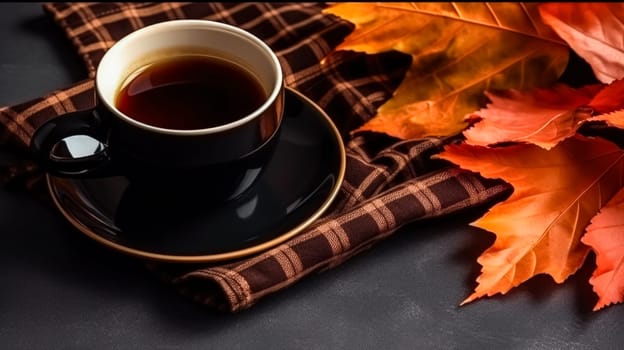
[{"x": 80, "y": 123}]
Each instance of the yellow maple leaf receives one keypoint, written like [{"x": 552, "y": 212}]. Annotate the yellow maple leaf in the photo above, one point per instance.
[{"x": 458, "y": 51}]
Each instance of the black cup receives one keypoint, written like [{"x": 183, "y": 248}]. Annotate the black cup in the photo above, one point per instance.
[{"x": 221, "y": 159}]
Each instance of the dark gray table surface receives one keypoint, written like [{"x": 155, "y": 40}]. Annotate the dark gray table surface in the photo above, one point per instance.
[{"x": 60, "y": 290}]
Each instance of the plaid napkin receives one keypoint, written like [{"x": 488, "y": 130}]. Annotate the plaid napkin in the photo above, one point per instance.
[{"x": 388, "y": 182}]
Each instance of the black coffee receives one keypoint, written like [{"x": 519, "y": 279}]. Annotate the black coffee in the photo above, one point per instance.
[{"x": 190, "y": 92}]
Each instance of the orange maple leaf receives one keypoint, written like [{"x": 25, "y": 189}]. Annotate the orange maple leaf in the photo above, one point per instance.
[
  {"x": 605, "y": 235},
  {"x": 595, "y": 31},
  {"x": 615, "y": 119},
  {"x": 556, "y": 193},
  {"x": 610, "y": 98},
  {"x": 543, "y": 117},
  {"x": 458, "y": 51}
]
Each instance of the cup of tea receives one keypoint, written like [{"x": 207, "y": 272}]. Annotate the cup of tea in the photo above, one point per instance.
[{"x": 180, "y": 105}]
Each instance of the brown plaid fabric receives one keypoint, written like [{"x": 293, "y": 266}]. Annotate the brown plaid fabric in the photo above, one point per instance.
[{"x": 388, "y": 182}]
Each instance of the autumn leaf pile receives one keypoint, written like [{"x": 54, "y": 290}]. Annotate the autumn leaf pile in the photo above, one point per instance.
[{"x": 490, "y": 73}]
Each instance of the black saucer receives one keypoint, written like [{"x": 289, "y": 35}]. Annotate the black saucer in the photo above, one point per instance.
[{"x": 298, "y": 185}]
